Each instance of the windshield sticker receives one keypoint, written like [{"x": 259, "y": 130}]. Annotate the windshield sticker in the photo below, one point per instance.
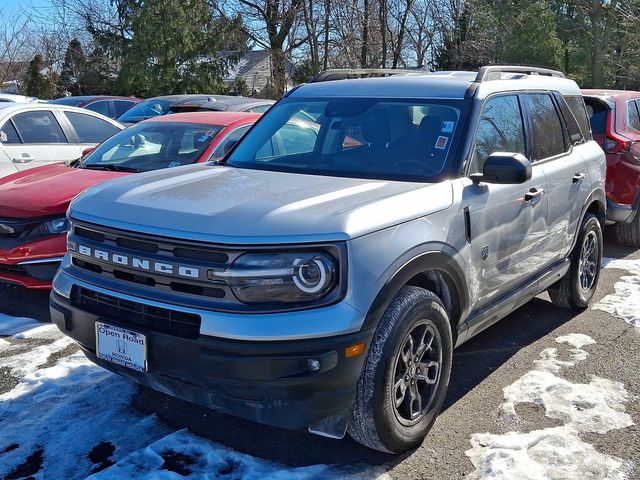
[
  {"x": 3, "y": 137},
  {"x": 174, "y": 164},
  {"x": 447, "y": 127},
  {"x": 441, "y": 143},
  {"x": 210, "y": 133}
]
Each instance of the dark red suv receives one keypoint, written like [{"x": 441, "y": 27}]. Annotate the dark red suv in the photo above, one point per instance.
[{"x": 615, "y": 122}]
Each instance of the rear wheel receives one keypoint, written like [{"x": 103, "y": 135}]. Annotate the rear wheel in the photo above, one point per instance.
[
  {"x": 406, "y": 374},
  {"x": 628, "y": 234},
  {"x": 577, "y": 287}
]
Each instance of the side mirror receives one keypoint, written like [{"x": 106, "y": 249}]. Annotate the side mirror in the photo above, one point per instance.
[
  {"x": 87, "y": 151},
  {"x": 504, "y": 167}
]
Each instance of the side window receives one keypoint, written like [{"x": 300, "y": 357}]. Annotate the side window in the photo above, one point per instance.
[
  {"x": 101, "y": 106},
  {"x": 39, "y": 127},
  {"x": 575, "y": 132},
  {"x": 500, "y": 129},
  {"x": 632, "y": 115},
  {"x": 228, "y": 142},
  {"x": 578, "y": 108},
  {"x": 548, "y": 134},
  {"x": 90, "y": 129},
  {"x": 8, "y": 134},
  {"x": 122, "y": 106}
]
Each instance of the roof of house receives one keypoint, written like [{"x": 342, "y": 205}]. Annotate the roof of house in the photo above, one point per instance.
[{"x": 249, "y": 60}]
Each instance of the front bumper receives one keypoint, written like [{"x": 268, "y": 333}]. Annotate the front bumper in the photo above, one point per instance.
[
  {"x": 268, "y": 382},
  {"x": 33, "y": 264}
]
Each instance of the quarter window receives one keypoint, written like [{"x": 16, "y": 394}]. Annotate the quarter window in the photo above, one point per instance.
[
  {"x": 90, "y": 129},
  {"x": 8, "y": 134},
  {"x": 500, "y": 129},
  {"x": 228, "y": 142},
  {"x": 575, "y": 133},
  {"x": 577, "y": 106},
  {"x": 548, "y": 134},
  {"x": 39, "y": 127}
]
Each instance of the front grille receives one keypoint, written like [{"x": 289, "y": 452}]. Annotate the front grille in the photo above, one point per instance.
[{"x": 137, "y": 315}]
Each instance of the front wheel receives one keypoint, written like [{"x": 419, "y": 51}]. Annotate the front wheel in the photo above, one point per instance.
[
  {"x": 406, "y": 374},
  {"x": 577, "y": 287}
]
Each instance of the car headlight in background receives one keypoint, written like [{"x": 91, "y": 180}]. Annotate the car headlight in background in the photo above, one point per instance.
[
  {"x": 54, "y": 227},
  {"x": 281, "y": 277}
]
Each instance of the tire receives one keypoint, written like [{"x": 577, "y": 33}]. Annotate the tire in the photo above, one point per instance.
[
  {"x": 628, "y": 234},
  {"x": 375, "y": 420},
  {"x": 577, "y": 287}
]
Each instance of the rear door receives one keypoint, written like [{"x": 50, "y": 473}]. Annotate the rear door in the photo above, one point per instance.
[
  {"x": 41, "y": 140},
  {"x": 88, "y": 130},
  {"x": 508, "y": 222},
  {"x": 557, "y": 141}
]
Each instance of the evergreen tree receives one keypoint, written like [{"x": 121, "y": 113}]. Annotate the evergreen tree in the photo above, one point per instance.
[
  {"x": 72, "y": 72},
  {"x": 173, "y": 49},
  {"x": 36, "y": 84}
]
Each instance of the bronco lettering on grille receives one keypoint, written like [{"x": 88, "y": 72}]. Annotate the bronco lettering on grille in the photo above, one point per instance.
[{"x": 140, "y": 263}]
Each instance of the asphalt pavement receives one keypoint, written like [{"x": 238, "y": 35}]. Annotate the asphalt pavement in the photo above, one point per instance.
[{"x": 482, "y": 368}]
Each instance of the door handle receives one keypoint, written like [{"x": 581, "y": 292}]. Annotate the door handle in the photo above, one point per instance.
[
  {"x": 533, "y": 193},
  {"x": 578, "y": 177},
  {"x": 24, "y": 158}
]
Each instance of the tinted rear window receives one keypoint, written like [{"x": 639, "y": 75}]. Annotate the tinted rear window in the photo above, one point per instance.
[{"x": 597, "y": 111}]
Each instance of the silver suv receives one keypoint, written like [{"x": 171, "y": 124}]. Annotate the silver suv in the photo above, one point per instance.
[{"x": 322, "y": 275}]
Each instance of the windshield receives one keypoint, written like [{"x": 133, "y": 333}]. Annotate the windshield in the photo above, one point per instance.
[
  {"x": 150, "y": 108},
  {"x": 408, "y": 140},
  {"x": 152, "y": 145}
]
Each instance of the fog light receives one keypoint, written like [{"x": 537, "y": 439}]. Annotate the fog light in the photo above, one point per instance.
[{"x": 313, "y": 365}]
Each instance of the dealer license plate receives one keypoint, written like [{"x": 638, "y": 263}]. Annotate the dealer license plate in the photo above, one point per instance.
[{"x": 121, "y": 346}]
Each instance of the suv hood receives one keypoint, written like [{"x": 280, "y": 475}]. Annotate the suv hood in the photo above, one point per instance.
[
  {"x": 46, "y": 190},
  {"x": 232, "y": 205}
]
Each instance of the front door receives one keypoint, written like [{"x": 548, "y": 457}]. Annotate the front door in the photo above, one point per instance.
[
  {"x": 40, "y": 140},
  {"x": 508, "y": 223}
]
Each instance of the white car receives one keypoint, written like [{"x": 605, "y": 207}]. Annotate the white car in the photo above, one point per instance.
[
  {"x": 10, "y": 97},
  {"x": 34, "y": 134}
]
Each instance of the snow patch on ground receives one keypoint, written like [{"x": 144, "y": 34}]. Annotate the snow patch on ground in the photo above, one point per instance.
[
  {"x": 552, "y": 453},
  {"x": 184, "y": 455},
  {"x": 625, "y": 303},
  {"x": 66, "y": 411},
  {"x": 28, "y": 362},
  {"x": 559, "y": 452}
]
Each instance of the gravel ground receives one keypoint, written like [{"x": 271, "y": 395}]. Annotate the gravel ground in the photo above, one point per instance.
[{"x": 482, "y": 368}]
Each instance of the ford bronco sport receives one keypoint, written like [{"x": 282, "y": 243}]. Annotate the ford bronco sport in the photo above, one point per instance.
[{"x": 322, "y": 275}]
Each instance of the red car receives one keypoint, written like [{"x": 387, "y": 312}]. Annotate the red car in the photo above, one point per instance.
[
  {"x": 615, "y": 122},
  {"x": 33, "y": 203}
]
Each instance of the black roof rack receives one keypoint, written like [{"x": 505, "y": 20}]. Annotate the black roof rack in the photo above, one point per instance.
[
  {"x": 345, "y": 73},
  {"x": 492, "y": 72}
]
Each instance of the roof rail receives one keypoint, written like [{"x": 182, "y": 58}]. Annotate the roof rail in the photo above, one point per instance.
[
  {"x": 345, "y": 73},
  {"x": 492, "y": 72}
]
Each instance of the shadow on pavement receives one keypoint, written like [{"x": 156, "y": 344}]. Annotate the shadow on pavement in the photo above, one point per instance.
[{"x": 22, "y": 302}]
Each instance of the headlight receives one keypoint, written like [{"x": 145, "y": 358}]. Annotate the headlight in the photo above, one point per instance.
[
  {"x": 286, "y": 277},
  {"x": 54, "y": 227}
]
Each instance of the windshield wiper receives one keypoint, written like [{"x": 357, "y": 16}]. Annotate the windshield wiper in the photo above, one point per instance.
[
  {"x": 73, "y": 163},
  {"x": 113, "y": 168}
]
